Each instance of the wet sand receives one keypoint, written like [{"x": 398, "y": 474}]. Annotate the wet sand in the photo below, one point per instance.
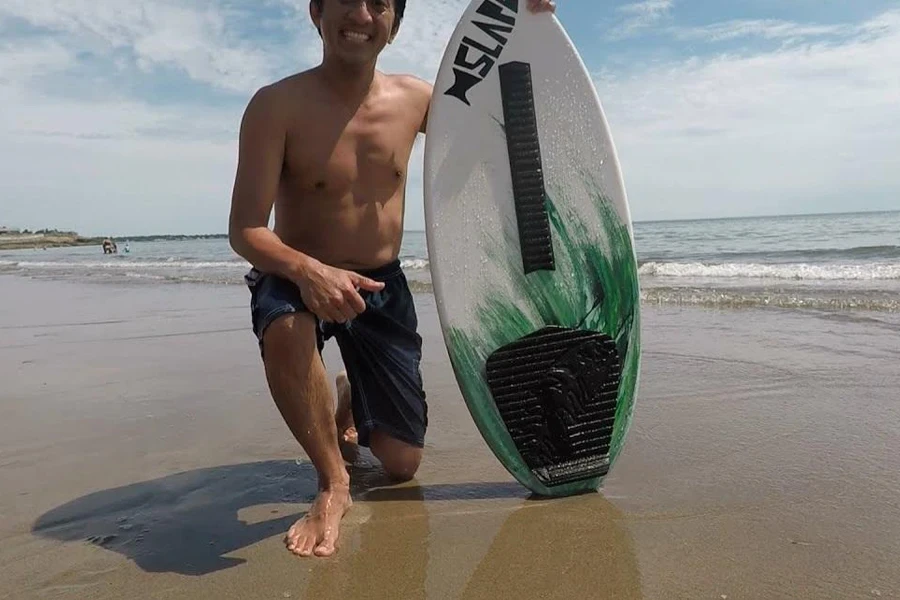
[{"x": 141, "y": 457}]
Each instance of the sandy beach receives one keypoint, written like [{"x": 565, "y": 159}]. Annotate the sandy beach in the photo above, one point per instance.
[{"x": 142, "y": 457}]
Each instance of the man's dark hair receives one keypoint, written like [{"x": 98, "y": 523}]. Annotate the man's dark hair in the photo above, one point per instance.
[{"x": 399, "y": 7}]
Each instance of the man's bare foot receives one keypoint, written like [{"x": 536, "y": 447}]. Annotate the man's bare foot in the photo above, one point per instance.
[
  {"x": 343, "y": 416},
  {"x": 317, "y": 532}
]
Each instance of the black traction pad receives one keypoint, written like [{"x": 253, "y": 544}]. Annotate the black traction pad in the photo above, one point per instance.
[
  {"x": 556, "y": 391},
  {"x": 520, "y": 124}
]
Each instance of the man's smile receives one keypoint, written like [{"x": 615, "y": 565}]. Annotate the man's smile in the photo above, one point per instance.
[{"x": 355, "y": 36}]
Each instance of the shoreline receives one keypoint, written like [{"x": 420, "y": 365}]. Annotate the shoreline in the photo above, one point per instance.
[
  {"x": 798, "y": 298},
  {"x": 18, "y": 241},
  {"x": 37, "y": 242}
]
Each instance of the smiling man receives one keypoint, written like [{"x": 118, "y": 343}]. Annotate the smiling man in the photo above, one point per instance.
[{"x": 329, "y": 148}]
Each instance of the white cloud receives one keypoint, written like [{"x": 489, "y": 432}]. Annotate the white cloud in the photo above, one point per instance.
[
  {"x": 166, "y": 33},
  {"x": 19, "y": 62},
  {"x": 640, "y": 15},
  {"x": 764, "y": 28},
  {"x": 782, "y": 130},
  {"x": 91, "y": 156},
  {"x": 805, "y": 127}
]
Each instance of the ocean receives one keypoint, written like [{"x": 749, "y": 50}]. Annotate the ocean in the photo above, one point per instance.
[{"x": 835, "y": 261}]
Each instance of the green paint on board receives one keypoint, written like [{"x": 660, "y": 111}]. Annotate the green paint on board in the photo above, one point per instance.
[{"x": 565, "y": 297}]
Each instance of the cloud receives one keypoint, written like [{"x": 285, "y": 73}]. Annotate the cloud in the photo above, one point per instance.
[
  {"x": 125, "y": 113},
  {"x": 762, "y": 28},
  {"x": 121, "y": 117},
  {"x": 640, "y": 15},
  {"x": 199, "y": 40},
  {"x": 809, "y": 126}
]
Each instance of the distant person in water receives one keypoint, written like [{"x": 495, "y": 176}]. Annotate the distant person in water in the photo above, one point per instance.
[
  {"x": 109, "y": 246},
  {"x": 329, "y": 149}
]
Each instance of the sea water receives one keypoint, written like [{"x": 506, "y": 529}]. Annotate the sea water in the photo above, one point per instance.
[{"x": 841, "y": 261}]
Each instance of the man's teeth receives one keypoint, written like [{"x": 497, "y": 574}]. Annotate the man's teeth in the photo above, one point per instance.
[{"x": 356, "y": 36}]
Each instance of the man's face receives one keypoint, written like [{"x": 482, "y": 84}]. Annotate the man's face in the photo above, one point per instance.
[{"x": 355, "y": 31}]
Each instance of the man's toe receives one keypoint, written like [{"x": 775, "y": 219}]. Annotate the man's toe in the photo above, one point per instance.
[{"x": 305, "y": 547}]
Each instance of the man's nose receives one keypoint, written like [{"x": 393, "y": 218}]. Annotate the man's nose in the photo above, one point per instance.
[{"x": 359, "y": 12}]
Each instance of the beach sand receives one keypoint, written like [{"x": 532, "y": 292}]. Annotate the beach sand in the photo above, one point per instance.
[{"x": 142, "y": 457}]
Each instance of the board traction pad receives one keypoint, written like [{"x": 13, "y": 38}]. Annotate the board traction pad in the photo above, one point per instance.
[
  {"x": 524, "y": 149},
  {"x": 556, "y": 391}
]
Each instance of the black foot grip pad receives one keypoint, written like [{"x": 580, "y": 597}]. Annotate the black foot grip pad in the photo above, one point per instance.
[
  {"x": 556, "y": 391},
  {"x": 525, "y": 166}
]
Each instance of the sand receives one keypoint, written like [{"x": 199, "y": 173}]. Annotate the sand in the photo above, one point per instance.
[{"x": 141, "y": 457}]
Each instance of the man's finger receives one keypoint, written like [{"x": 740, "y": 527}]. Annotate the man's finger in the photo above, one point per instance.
[
  {"x": 329, "y": 313},
  {"x": 349, "y": 313},
  {"x": 367, "y": 284},
  {"x": 355, "y": 301}
]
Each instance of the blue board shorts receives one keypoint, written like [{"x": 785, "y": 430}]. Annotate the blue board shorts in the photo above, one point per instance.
[{"x": 381, "y": 349}]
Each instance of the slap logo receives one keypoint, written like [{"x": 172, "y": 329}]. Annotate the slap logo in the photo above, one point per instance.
[{"x": 477, "y": 54}]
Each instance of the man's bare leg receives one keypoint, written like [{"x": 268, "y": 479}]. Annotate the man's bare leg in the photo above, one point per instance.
[
  {"x": 299, "y": 386},
  {"x": 399, "y": 459},
  {"x": 343, "y": 416}
]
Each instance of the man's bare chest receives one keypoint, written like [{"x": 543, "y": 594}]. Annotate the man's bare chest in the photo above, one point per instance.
[{"x": 335, "y": 155}]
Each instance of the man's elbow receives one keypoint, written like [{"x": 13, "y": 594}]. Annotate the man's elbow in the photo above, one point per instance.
[{"x": 237, "y": 237}]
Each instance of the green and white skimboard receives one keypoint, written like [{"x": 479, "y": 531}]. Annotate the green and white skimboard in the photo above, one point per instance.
[{"x": 531, "y": 249}]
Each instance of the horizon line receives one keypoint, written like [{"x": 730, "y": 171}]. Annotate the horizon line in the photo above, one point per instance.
[{"x": 634, "y": 221}]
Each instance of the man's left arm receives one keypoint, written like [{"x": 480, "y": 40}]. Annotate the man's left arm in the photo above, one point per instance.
[{"x": 418, "y": 99}]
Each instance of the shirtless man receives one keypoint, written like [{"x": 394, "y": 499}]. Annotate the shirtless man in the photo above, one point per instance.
[{"x": 329, "y": 149}]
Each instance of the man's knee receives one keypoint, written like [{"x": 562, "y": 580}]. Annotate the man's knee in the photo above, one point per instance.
[
  {"x": 399, "y": 459},
  {"x": 402, "y": 468},
  {"x": 289, "y": 337}
]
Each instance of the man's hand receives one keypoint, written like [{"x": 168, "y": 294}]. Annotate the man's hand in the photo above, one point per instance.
[
  {"x": 332, "y": 294},
  {"x": 539, "y": 6}
]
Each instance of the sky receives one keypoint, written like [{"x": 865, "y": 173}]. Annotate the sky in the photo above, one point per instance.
[{"x": 120, "y": 117}]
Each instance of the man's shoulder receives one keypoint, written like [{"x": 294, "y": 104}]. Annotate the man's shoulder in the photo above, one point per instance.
[
  {"x": 286, "y": 87},
  {"x": 410, "y": 84},
  {"x": 272, "y": 102},
  {"x": 412, "y": 90}
]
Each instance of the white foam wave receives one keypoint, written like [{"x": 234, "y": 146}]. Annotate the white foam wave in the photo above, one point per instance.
[
  {"x": 169, "y": 263},
  {"x": 414, "y": 263},
  {"x": 797, "y": 271}
]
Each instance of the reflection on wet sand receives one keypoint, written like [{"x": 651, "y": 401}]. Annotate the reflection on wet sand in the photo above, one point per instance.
[
  {"x": 387, "y": 557},
  {"x": 479, "y": 541},
  {"x": 562, "y": 548}
]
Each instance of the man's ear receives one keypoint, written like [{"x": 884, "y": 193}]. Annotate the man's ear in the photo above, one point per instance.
[
  {"x": 315, "y": 13},
  {"x": 393, "y": 35}
]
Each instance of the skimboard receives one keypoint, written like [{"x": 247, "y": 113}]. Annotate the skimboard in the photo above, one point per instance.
[{"x": 531, "y": 249}]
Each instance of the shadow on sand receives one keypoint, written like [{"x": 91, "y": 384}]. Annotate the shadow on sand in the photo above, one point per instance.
[{"x": 186, "y": 523}]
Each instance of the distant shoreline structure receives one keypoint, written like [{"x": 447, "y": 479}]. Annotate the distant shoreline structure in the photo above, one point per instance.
[{"x": 14, "y": 239}]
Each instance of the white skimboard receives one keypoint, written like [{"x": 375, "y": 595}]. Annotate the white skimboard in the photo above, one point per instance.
[{"x": 531, "y": 248}]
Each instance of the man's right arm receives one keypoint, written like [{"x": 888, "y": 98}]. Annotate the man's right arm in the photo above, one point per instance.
[{"x": 260, "y": 158}]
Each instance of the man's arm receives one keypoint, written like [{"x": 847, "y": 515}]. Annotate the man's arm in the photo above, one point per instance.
[
  {"x": 260, "y": 159},
  {"x": 421, "y": 98}
]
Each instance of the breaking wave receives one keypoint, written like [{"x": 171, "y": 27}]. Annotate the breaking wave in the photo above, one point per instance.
[{"x": 795, "y": 271}]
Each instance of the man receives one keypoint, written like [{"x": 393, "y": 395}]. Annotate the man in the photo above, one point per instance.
[{"x": 329, "y": 149}]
